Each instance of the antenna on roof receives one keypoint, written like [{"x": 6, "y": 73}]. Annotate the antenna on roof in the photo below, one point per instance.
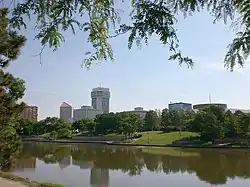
[{"x": 209, "y": 98}]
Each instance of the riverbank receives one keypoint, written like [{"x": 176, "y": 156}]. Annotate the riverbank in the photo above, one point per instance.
[
  {"x": 143, "y": 145},
  {"x": 10, "y": 180},
  {"x": 156, "y": 139}
]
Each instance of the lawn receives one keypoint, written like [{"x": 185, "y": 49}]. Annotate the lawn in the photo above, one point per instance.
[{"x": 158, "y": 137}]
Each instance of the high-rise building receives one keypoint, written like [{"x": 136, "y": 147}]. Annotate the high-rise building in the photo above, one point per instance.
[
  {"x": 100, "y": 99},
  {"x": 66, "y": 112},
  {"x": 30, "y": 112}
]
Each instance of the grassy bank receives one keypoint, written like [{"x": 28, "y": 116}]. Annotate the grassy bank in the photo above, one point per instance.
[
  {"x": 162, "y": 138},
  {"x": 169, "y": 152},
  {"x": 27, "y": 182}
]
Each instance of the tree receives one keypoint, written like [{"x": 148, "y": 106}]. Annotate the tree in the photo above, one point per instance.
[
  {"x": 90, "y": 125},
  {"x": 24, "y": 127},
  {"x": 165, "y": 120},
  {"x": 106, "y": 123},
  {"x": 211, "y": 123},
  {"x": 151, "y": 121},
  {"x": 64, "y": 133},
  {"x": 147, "y": 18},
  {"x": 128, "y": 123},
  {"x": 11, "y": 90},
  {"x": 83, "y": 124},
  {"x": 53, "y": 134}
]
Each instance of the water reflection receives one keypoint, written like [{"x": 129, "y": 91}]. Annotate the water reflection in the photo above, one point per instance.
[{"x": 211, "y": 166}]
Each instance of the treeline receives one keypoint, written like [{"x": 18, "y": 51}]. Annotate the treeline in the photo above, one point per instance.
[
  {"x": 211, "y": 123},
  {"x": 123, "y": 123}
]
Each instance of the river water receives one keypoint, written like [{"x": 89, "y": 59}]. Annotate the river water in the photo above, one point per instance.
[{"x": 101, "y": 166}]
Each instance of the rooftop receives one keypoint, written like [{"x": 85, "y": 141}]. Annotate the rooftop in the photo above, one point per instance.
[
  {"x": 179, "y": 103},
  {"x": 64, "y": 104}
]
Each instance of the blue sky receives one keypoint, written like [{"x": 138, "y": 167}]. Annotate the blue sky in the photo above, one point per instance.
[{"x": 138, "y": 77}]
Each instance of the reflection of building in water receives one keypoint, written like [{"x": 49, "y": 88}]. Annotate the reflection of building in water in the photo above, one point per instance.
[
  {"x": 65, "y": 162},
  {"x": 83, "y": 165},
  {"x": 24, "y": 164},
  {"x": 99, "y": 177}
]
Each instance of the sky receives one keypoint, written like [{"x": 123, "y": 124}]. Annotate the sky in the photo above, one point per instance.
[{"x": 137, "y": 77}]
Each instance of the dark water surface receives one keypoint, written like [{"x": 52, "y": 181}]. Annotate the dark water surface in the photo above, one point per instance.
[{"x": 100, "y": 166}]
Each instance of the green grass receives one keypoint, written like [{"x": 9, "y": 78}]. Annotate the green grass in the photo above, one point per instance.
[
  {"x": 161, "y": 138},
  {"x": 26, "y": 182},
  {"x": 169, "y": 152}
]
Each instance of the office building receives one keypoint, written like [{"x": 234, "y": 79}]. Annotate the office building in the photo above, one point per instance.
[
  {"x": 85, "y": 112},
  {"x": 66, "y": 112},
  {"x": 180, "y": 106},
  {"x": 206, "y": 105},
  {"x": 139, "y": 111},
  {"x": 30, "y": 112},
  {"x": 100, "y": 99}
]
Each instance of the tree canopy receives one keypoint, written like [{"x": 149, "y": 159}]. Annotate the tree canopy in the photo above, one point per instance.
[
  {"x": 11, "y": 90},
  {"x": 101, "y": 20}
]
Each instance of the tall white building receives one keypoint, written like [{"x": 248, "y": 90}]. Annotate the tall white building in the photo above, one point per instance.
[
  {"x": 100, "y": 99},
  {"x": 85, "y": 112},
  {"x": 66, "y": 112}
]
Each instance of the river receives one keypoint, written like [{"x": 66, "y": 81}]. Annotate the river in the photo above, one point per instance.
[{"x": 107, "y": 166}]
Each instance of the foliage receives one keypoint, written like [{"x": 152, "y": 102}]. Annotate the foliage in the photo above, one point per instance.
[
  {"x": 11, "y": 90},
  {"x": 159, "y": 17},
  {"x": 106, "y": 123},
  {"x": 151, "y": 121},
  {"x": 53, "y": 134},
  {"x": 24, "y": 127},
  {"x": 64, "y": 133},
  {"x": 128, "y": 123},
  {"x": 84, "y": 124}
]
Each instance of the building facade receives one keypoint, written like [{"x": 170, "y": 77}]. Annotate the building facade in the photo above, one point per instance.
[
  {"x": 139, "y": 111},
  {"x": 206, "y": 105},
  {"x": 85, "y": 112},
  {"x": 66, "y": 112},
  {"x": 30, "y": 112},
  {"x": 100, "y": 99},
  {"x": 180, "y": 106}
]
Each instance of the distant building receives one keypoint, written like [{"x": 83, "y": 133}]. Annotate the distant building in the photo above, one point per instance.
[
  {"x": 233, "y": 110},
  {"x": 85, "y": 112},
  {"x": 180, "y": 106},
  {"x": 206, "y": 105},
  {"x": 139, "y": 111},
  {"x": 100, "y": 99},
  {"x": 30, "y": 112},
  {"x": 66, "y": 112}
]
